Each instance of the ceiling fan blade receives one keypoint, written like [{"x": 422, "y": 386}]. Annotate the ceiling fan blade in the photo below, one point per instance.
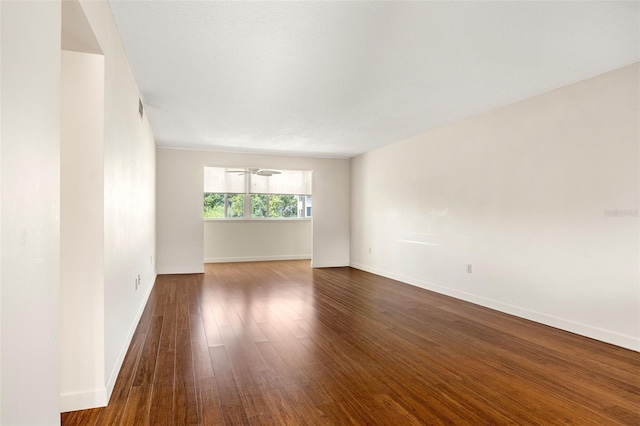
[
  {"x": 255, "y": 171},
  {"x": 267, "y": 172}
]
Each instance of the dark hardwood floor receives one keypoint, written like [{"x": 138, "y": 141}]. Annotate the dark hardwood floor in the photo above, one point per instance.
[{"x": 276, "y": 343}]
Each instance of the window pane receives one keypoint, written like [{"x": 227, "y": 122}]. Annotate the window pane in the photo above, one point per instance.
[
  {"x": 300, "y": 200},
  {"x": 262, "y": 205},
  {"x": 213, "y": 205},
  {"x": 283, "y": 206},
  {"x": 259, "y": 205},
  {"x": 289, "y": 206},
  {"x": 308, "y": 202},
  {"x": 235, "y": 205}
]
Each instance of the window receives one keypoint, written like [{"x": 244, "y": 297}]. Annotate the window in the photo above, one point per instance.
[
  {"x": 308, "y": 205},
  {"x": 259, "y": 205},
  {"x": 214, "y": 205},
  {"x": 223, "y": 205},
  {"x": 234, "y": 205},
  {"x": 277, "y": 206},
  {"x": 230, "y": 193}
]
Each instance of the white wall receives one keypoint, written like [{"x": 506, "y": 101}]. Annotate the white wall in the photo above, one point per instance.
[
  {"x": 82, "y": 382},
  {"x": 0, "y": 213},
  {"x": 254, "y": 240},
  {"x": 30, "y": 212},
  {"x": 129, "y": 195},
  {"x": 180, "y": 176},
  {"x": 31, "y": 191},
  {"x": 521, "y": 193}
]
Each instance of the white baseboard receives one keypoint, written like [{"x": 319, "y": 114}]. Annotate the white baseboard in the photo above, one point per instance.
[
  {"x": 111, "y": 382},
  {"x": 181, "y": 270},
  {"x": 329, "y": 263},
  {"x": 73, "y": 401},
  {"x": 256, "y": 258},
  {"x": 628, "y": 342}
]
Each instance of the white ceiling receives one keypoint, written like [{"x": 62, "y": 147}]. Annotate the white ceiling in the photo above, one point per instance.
[{"x": 341, "y": 78}]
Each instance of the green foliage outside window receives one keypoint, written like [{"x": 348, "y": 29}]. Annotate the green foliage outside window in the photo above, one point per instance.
[
  {"x": 283, "y": 206},
  {"x": 262, "y": 206},
  {"x": 259, "y": 205},
  {"x": 235, "y": 205},
  {"x": 213, "y": 205}
]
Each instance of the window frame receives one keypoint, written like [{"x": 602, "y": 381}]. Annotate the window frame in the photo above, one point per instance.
[
  {"x": 247, "y": 213},
  {"x": 247, "y": 208}
]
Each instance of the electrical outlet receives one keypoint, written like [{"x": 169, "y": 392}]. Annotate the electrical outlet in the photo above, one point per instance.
[
  {"x": 136, "y": 284},
  {"x": 369, "y": 250},
  {"x": 152, "y": 259},
  {"x": 469, "y": 268}
]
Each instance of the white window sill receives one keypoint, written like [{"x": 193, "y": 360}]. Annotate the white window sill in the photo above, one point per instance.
[{"x": 240, "y": 219}]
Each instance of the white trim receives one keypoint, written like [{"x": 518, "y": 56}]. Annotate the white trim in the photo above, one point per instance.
[
  {"x": 628, "y": 342},
  {"x": 181, "y": 270},
  {"x": 228, "y": 150},
  {"x": 329, "y": 264},
  {"x": 127, "y": 342},
  {"x": 265, "y": 219},
  {"x": 73, "y": 401},
  {"x": 256, "y": 258}
]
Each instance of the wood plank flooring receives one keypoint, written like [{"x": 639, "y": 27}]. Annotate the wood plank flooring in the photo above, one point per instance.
[{"x": 278, "y": 343}]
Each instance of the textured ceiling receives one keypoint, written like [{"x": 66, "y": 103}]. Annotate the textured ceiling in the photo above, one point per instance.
[{"x": 341, "y": 78}]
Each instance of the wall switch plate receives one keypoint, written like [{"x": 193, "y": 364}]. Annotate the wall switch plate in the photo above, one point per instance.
[{"x": 469, "y": 268}]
